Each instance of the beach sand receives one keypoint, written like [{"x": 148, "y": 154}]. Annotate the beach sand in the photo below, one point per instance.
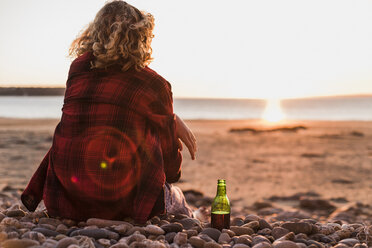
[
  {"x": 332, "y": 159},
  {"x": 294, "y": 184}
]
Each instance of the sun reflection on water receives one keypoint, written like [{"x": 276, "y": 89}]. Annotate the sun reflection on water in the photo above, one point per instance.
[{"x": 273, "y": 112}]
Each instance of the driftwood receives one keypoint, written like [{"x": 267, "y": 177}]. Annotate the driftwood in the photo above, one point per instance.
[
  {"x": 31, "y": 91},
  {"x": 278, "y": 129}
]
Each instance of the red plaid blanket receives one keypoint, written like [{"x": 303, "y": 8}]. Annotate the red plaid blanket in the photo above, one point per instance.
[{"x": 113, "y": 149}]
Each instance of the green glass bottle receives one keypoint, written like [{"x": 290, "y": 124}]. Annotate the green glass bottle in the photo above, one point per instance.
[{"x": 220, "y": 212}]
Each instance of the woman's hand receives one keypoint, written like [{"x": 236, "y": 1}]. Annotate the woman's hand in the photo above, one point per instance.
[{"x": 186, "y": 136}]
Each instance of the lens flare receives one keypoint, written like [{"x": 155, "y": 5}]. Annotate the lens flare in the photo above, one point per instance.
[
  {"x": 103, "y": 165},
  {"x": 111, "y": 163},
  {"x": 74, "y": 179}
]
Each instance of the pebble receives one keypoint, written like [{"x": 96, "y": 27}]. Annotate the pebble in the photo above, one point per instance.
[
  {"x": 47, "y": 226},
  {"x": 19, "y": 243},
  {"x": 157, "y": 244},
  {"x": 212, "y": 245},
  {"x": 189, "y": 223},
  {"x": 336, "y": 226},
  {"x": 65, "y": 242},
  {"x": 85, "y": 242},
  {"x": 229, "y": 232},
  {"x": 134, "y": 237},
  {"x": 278, "y": 232},
  {"x": 251, "y": 217},
  {"x": 301, "y": 245},
  {"x": 73, "y": 246},
  {"x": 253, "y": 224},
  {"x": 341, "y": 234},
  {"x": 104, "y": 242},
  {"x": 173, "y": 227},
  {"x": 196, "y": 242},
  {"x": 46, "y": 232},
  {"x": 163, "y": 222},
  {"x": 313, "y": 242},
  {"x": 237, "y": 222},
  {"x": 13, "y": 235},
  {"x": 50, "y": 243},
  {"x": 118, "y": 245},
  {"x": 155, "y": 230},
  {"x": 122, "y": 229},
  {"x": 244, "y": 239},
  {"x": 326, "y": 230},
  {"x": 49, "y": 221},
  {"x": 27, "y": 225},
  {"x": 34, "y": 236},
  {"x": 360, "y": 246},
  {"x": 288, "y": 236},
  {"x": 205, "y": 237},
  {"x": 298, "y": 227},
  {"x": 350, "y": 242},
  {"x": 287, "y": 229},
  {"x": 240, "y": 246},
  {"x": 2, "y": 216},
  {"x": 265, "y": 231},
  {"x": 191, "y": 232},
  {"x": 15, "y": 213},
  {"x": 285, "y": 244},
  {"x": 3, "y": 236},
  {"x": 224, "y": 238},
  {"x": 96, "y": 233},
  {"x": 341, "y": 246},
  {"x": 326, "y": 239},
  {"x": 68, "y": 222},
  {"x": 180, "y": 238},
  {"x": 239, "y": 230},
  {"x": 170, "y": 236},
  {"x": 62, "y": 228},
  {"x": 264, "y": 224},
  {"x": 104, "y": 223},
  {"x": 8, "y": 221},
  {"x": 155, "y": 220},
  {"x": 136, "y": 229},
  {"x": 212, "y": 232},
  {"x": 262, "y": 245},
  {"x": 259, "y": 239}
]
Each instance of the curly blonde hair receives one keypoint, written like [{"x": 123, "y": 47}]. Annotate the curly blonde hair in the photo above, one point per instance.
[{"x": 120, "y": 34}]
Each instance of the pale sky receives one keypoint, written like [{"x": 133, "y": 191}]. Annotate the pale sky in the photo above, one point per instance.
[{"x": 208, "y": 48}]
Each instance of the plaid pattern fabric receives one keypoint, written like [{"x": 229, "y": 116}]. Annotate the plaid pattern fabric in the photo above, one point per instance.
[{"x": 114, "y": 148}]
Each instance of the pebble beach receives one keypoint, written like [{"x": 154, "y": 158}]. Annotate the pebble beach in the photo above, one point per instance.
[{"x": 288, "y": 187}]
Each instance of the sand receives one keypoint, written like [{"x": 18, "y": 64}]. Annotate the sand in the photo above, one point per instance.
[
  {"x": 308, "y": 181},
  {"x": 333, "y": 159}
]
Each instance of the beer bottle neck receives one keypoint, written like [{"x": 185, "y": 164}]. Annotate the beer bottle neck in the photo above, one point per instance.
[{"x": 221, "y": 189}]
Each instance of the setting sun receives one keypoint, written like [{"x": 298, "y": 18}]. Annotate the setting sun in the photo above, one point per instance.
[{"x": 273, "y": 111}]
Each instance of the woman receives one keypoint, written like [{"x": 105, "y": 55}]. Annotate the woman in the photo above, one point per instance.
[{"x": 116, "y": 149}]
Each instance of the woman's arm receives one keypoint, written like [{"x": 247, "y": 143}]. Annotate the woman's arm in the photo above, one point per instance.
[{"x": 185, "y": 134}]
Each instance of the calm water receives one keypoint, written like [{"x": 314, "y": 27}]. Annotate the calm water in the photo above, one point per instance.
[{"x": 332, "y": 108}]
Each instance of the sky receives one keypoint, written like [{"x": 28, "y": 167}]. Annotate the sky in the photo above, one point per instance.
[{"x": 210, "y": 48}]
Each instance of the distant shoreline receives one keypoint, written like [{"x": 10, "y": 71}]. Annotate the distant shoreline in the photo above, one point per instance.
[
  {"x": 31, "y": 91},
  {"x": 60, "y": 91}
]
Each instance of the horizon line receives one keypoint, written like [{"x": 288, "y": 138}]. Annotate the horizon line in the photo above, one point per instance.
[{"x": 215, "y": 98}]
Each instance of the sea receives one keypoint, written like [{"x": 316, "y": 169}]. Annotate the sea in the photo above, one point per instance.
[{"x": 358, "y": 108}]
